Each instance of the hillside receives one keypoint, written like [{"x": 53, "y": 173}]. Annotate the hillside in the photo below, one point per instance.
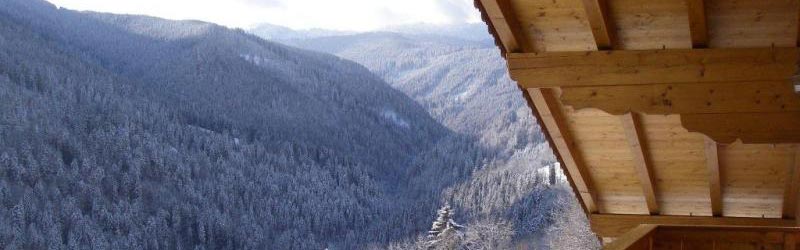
[
  {"x": 134, "y": 132},
  {"x": 462, "y": 83},
  {"x": 457, "y": 74}
]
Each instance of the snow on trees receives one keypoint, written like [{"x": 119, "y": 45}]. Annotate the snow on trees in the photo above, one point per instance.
[{"x": 445, "y": 232}]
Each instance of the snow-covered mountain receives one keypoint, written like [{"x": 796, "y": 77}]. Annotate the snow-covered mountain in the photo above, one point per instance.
[
  {"x": 130, "y": 132},
  {"x": 463, "y": 83},
  {"x": 280, "y": 33},
  {"x": 133, "y": 132},
  {"x": 458, "y": 75}
]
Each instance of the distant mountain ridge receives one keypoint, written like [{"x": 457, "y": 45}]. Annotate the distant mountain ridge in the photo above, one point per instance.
[
  {"x": 280, "y": 33},
  {"x": 475, "y": 32},
  {"x": 463, "y": 83}
]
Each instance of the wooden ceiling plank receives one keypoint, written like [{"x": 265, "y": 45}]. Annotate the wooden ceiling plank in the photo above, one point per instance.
[
  {"x": 505, "y": 23},
  {"x": 549, "y": 112},
  {"x": 697, "y": 23},
  {"x": 629, "y": 67},
  {"x": 715, "y": 187},
  {"x": 600, "y": 22},
  {"x": 642, "y": 163},
  {"x": 614, "y": 225}
]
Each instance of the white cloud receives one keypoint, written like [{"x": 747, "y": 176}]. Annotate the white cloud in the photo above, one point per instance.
[{"x": 329, "y": 14}]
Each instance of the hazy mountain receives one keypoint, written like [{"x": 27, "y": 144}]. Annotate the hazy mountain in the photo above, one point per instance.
[
  {"x": 280, "y": 33},
  {"x": 469, "y": 31}
]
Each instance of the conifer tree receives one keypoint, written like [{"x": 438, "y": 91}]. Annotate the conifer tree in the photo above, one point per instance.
[{"x": 445, "y": 233}]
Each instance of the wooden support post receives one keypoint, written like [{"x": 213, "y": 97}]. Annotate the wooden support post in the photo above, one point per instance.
[{"x": 715, "y": 188}]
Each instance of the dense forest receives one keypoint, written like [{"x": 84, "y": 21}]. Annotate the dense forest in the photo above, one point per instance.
[
  {"x": 457, "y": 74},
  {"x": 132, "y": 132}
]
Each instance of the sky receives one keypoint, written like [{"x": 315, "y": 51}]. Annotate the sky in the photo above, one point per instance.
[{"x": 350, "y": 15}]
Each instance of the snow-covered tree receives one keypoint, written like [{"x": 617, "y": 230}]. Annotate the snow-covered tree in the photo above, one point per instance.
[{"x": 445, "y": 233}]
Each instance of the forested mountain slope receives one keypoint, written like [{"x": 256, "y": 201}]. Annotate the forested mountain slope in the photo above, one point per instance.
[
  {"x": 462, "y": 82},
  {"x": 131, "y": 132},
  {"x": 134, "y": 132},
  {"x": 457, "y": 74}
]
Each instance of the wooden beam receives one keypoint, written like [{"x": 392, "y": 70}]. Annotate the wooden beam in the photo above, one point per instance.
[
  {"x": 635, "y": 135},
  {"x": 550, "y": 113},
  {"x": 614, "y": 225},
  {"x": 792, "y": 186},
  {"x": 551, "y": 143},
  {"x": 753, "y": 128},
  {"x": 695, "y": 98},
  {"x": 506, "y": 25},
  {"x": 638, "y": 238},
  {"x": 601, "y": 24},
  {"x": 635, "y": 67},
  {"x": 714, "y": 183},
  {"x": 697, "y": 23}
]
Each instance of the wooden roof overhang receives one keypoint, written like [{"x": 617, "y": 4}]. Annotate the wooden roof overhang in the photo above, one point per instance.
[{"x": 663, "y": 112}]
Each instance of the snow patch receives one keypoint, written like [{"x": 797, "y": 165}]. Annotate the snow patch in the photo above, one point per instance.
[
  {"x": 465, "y": 95},
  {"x": 257, "y": 60},
  {"x": 264, "y": 61},
  {"x": 395, "y": 118}
]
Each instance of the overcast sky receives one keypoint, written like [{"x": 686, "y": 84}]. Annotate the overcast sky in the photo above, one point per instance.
[{"x": 355, "y": 15}]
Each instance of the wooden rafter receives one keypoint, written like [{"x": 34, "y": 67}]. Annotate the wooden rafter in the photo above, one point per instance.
[
  {"x": 697, "y": 23},
  {"x": 634, "y": 133},
  {"x": 551, "y": 143},
  {"x": 601, "y": 24},
  {"x": 641, "y": 67},
  {"x": 712, "y": 164},
  {"x": 613, "y": 225},
  {"x": 792, "y": 185},
  {"x": 506, "y": 25},
  {"x": 549, "y": 112}
]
